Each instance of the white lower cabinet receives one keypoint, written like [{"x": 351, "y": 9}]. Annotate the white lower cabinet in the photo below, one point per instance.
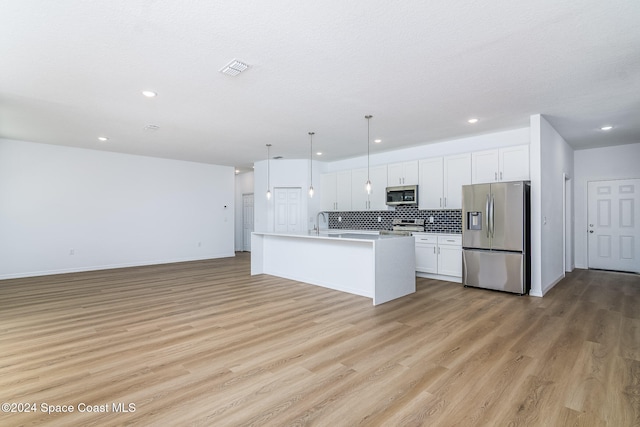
[
  {"x": 426, "y": 254},
  {"x": 450, "y": 255},
  {"x": 439, "y": 256}
]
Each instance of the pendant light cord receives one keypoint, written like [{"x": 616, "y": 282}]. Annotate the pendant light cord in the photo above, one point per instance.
[
  {"x": 268, "y": 171},
  {"x": 368, "y": 185},
  {"x": 311, "y": 164}
]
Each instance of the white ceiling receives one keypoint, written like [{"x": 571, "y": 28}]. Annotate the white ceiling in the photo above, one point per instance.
[{"x": 73, "y": 70}]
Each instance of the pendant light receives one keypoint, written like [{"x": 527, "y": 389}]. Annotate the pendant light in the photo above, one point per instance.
[
  {"x": 311, "y": 164},
  {"x": 368, "y": 184},
  {"x": 268, "y": 172}
]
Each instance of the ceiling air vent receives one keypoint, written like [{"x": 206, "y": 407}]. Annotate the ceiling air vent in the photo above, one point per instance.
[{"x": 234, "y": 68}]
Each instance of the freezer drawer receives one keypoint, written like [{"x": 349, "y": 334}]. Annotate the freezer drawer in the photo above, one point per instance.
[{"x": 502, "y": 271}]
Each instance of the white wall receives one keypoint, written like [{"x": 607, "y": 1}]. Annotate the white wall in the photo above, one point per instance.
[
  {"x": 551, "y": 160},
  {"x": 111, "y": 209},
  {"x": 597, "y": 164},
  {"x": 244, "y": 185}
]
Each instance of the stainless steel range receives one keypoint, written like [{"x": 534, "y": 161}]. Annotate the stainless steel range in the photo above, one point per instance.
[{"x": 405, "y": 227}]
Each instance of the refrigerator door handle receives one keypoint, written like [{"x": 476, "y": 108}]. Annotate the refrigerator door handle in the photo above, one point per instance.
[
  {"x": 493, "y": 219},
  {"x": 486, "y": 215},
  {"x": 464, "y": 269}
]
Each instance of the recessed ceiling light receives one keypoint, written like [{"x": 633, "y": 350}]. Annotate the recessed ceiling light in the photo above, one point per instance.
[
  {"x": 377, "y": 141},
  {"x": 152, "y": 127},
  {"x": 103, "y": 138},
  {"x": 319, "y": 153},
  {"x": 606, "y": 127},
  {"x": 234, "y": 68},
  {"x": 473, "y": 120},
  {"x": 149, "y": 93}
]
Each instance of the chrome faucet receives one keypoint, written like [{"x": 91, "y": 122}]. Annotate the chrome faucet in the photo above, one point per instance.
[{"x": 316, "y": 227}]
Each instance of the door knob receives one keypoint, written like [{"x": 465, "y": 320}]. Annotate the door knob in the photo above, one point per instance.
[{"x": 590, "y": 231}]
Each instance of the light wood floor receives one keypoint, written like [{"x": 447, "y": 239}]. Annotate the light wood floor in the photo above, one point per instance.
[{"x": 204, "y": 343}]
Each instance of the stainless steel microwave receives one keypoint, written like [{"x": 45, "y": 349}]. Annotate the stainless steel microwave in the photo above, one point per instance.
[{"x": 402, "y": 195}]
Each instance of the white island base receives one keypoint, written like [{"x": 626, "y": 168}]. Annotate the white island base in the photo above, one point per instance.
[{"x": 377, "y": 267}]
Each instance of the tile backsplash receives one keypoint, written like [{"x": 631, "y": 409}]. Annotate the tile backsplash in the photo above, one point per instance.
[{"x": 444, "y": 221}]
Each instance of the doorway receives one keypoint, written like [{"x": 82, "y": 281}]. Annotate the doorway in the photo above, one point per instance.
[
  {"x": 567, "y": 225},
  {"x": 247, "y": 221},
  {"x": 613, "y": 225},
  {"x": 287, "y": 210}
]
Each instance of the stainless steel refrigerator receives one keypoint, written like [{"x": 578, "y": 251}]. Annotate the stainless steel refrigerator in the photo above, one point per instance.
[{"x": 496, "y": 236}]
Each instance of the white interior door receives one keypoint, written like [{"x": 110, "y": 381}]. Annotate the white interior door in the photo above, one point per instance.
[
  {"x": 247, "y": 221},
  {"x": 287, "y": 210},
  {"x": 614, "y": 225}
]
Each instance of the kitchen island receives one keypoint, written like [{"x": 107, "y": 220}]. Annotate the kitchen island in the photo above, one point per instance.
[{"x": 373, "y": 266}]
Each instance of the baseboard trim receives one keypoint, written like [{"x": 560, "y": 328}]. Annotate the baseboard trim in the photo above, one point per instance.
[{"x": 110, "y": 266}]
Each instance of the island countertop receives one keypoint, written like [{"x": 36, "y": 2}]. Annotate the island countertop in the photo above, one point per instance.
[
  {"x": 381, "y": 267},
  {"x": 331, "y": 234}
]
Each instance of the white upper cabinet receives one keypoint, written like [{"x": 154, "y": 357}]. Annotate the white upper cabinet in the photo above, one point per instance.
[
  {"x": 336, "y": 191},
  {"x": 484, "y": 166},
  {"x": 457, "y": 172},
  {"x": 343, "y": 182},
  {"x": 405, "y": 173},
  {"x": 360, "y": 200},
  {"x": 514, "y": 163},
  {"x": 431, "y": 184},
  {"x": 329, "y": 192},
  {"x": 504, "y": 164},
  {"x": 441, "y": 181}
]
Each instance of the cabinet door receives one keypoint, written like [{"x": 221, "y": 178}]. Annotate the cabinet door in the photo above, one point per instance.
[
  {"x": 450, "y": 260},
  {"x": 359, "y": 197},
  {"x": 395, "y": 174},
  {"x": 457, "y": 172},
  {"x": 426, "y": 257},
  {"x": 378, "y": 196},
  {"x": 329, "y": 195},
  {"x": 411, "y": 174},
  {"x": 343, "y": 190},
  {"x": 514, "y": 163},
  {"x": 431, "y": 184},
  {"x": 484, "y": 166}
]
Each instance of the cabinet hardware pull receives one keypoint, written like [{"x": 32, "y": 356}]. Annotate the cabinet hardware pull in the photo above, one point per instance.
[
  {"x": 495, "y": 176},
  {"x": 500, "y": 176}
]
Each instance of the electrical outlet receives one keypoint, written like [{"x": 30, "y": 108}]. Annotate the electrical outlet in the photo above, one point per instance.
[
  {"x": 72, "y": 252},
  {"x": 431, "y": 219},
  {"x": 379, "y": 219},
  {"x": 199, "y": 244},
  {"x": 339, "y": 219}
]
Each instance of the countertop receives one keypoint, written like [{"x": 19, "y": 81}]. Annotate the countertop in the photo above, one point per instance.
[{"x": 334, "y": 235}]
